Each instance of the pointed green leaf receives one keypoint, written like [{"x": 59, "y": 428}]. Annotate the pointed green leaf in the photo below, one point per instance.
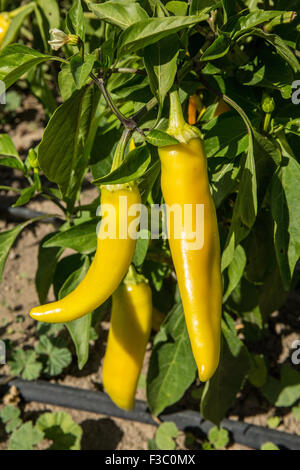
[
  {"x": 120, "y": 14},
  {"x": 79, "y": 329},
  {"x": 172, "y": 367},
  {"x": 221, "y": 390},
  {"x": 143, "y": 33}
]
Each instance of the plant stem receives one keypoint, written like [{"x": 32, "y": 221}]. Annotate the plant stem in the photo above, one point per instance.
[{"x": 128, "y": 123}]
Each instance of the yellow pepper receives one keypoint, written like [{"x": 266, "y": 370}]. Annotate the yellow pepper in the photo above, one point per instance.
[
  {"x": 112, "y": 259},
  {"x": 184, "y": 180},
  {"x": 4, "y": 25},
  {"x": 127, "y": 339}
]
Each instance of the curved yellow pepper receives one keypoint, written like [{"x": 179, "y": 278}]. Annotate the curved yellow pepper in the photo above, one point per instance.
[
  {"x": 4, "y": 25},
  {"x": 184, "y": 180},
  {"x": 129, "y": 332},
  {"x": 112, "y": 259}
]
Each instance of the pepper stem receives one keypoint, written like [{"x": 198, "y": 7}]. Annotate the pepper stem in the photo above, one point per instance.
[
  {"x": 176, "y": 119},
  {"x": 178, "y": 128},
  {"x": 133, "y": 277}
]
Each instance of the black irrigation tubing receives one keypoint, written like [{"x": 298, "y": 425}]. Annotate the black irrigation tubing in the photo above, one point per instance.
[
  {"x": 98, "y": 402},
  {"x": 21, "y": 214}
]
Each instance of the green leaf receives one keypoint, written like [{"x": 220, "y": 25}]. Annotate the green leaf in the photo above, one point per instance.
[
  {"x": 133, "y": 167},
  {"x": 229, "y": 9},
  {"x": 284, "y": 392},
  {"x": 81, "y": 238},
  {"x": 7, "y": 147},
  {"x": 66, "y": 82},
  {"x": 59, "y": 427},
  {"x": 143, "y": 33},
  {"x": 40, "y": 23},
  {"x": 75, "y": 20},
  {"x": 8, "y": 153},
  {"x": 282, "y": 49},
  {"x": 218, "y": 437},
  {"x": 160, "y": 62},
  {"x": 269, "y": 446},
  {"x": 225, "y": 136},
  {"x": 217, "y": 49},
  {"x": 165, "y": 435},
  {"x": 273, "y": 422},
  {"x": 224, "y": 181},
  {"x": 235, "y": 270},
  {"x": 41, "y": 90},
  {"x": 221, "y": 390},
  {"x": 51, "y": 11},
  {"x": 25, "y": 438},
  {"x": 64, "y": 269},
  {"x": 256, "y": 176},
  {"x": 25, "y": 196},
  {"x": 81, "y": 69},
  {"x": 160, "y": 139},
  {"x": 25, "y": 363},
  {"x": 152, "y": 444},
  {"x": 237, "y": 26},
  {"x": 198, "y": 7},
  {"x": 16, "y": 60},
  {"x": 260, "y": 248},
  {"x": 79, "y": 329},
  {"x": 57, "y": 150},
  {"x": 177, "y": 8},
  {"x": 7, "y": 240},
  {"x": 141, "y": 248},
  {"x": 55, "y": 355},
  {"x": 258, "y": 373},
  {"x": 10, "y": 415},
  {"x": 120, "y": 14},
  {"x": 87, "y": 127},
  {"x": 11, "y": 162},
  {"x": 172, "y": 367},
  {"x": 148, "y": 180},
  {"x": 285, "y": 206},
  {"x": 47, "y": 262}
]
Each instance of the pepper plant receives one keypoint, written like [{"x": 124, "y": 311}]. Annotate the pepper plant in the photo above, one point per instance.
[{"x": 103, "y": 75}]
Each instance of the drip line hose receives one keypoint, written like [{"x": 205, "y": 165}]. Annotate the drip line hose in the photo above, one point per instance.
[
  {"x": 98, "y": 402},
  {"x": 21, "y": 214}
]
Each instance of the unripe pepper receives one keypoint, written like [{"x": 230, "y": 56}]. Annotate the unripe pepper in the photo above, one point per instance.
[
  {"x": 4, "y": 25},
  {"x": 195, "y": 107},
  {"x": 112, "y": 259},
  {"x": 129, "y": 333},
  {"x": 192, "y": 110},
  {"x": 184, "y": 180},
  {"x": 221, "y": 108}
]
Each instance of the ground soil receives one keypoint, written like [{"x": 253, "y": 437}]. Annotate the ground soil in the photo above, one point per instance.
[{"x": 18, "y": 296}]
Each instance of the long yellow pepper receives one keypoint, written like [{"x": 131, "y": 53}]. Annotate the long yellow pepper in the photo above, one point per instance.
[
  {"x": 129, "y": 332},
  {"x": 184, "y": 180},
  {"x": 112, "y": 259},
  {"x": 4, "y": 25}
]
